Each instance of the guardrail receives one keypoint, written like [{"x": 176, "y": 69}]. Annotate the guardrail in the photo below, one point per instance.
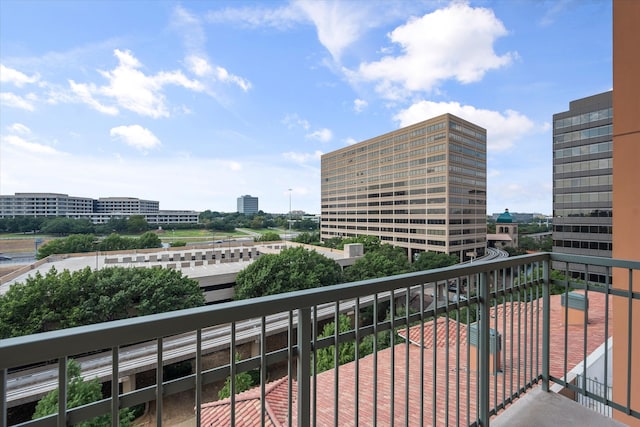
[{"x": 439, "y": 359}]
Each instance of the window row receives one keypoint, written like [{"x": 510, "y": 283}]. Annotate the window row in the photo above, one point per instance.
[
  {"x": 581, "y": 244},
  {"x": 592, "y": 197},
  {"x": 581, "y": 119},
  {"x": 584, "y": 166},
  {"x": 583, "y": 134},
  {"x": 601, "y": 147},
  {"x": 592, "y": 229},
  {"x": 585, "y": 181}
]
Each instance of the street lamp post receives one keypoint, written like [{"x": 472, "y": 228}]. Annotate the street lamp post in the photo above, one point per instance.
[{"x": 289, "y": 214}]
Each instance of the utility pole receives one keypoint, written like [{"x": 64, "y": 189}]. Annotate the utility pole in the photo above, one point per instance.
[{"x": 289, "y": 213}]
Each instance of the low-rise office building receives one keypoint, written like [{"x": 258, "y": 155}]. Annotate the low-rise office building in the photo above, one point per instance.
[{"x": 98, "y": 211}]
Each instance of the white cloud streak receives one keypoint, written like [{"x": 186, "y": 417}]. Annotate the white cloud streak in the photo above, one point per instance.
[
  {"x": 322, "y": 135},
  {"x": 12, "y": 100},
  {"x": 189, "y": 27},
  {"x": 19, "y": 128},
  {"x": 15, "y": 77},
  {"x": 136, "y": 136},
  {"x": 26, "y": 146}
]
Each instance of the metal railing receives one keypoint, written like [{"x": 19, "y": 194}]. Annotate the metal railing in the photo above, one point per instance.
[{"x": 450, "y": 346}]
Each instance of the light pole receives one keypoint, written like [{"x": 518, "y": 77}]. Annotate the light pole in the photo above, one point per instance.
[{"x": 289, "y": 213}]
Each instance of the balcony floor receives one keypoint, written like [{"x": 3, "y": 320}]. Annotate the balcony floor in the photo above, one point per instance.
[{"x": 540, "y": 409}]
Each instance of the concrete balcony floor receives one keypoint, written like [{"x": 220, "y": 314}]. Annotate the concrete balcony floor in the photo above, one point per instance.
[{"x": 540, "y": 409}]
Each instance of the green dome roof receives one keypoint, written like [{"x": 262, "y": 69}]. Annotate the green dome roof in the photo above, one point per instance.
[{"x": 505, "y": 217}]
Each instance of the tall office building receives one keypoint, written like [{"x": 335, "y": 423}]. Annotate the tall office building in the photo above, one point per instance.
[
  {"x": 247, "y": 205},
  {"x": 422, "y": 187},
  {"x": 582, "y": 179}
]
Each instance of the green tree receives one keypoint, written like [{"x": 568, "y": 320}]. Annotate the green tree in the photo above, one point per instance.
[
  {"x": 306, "y": 225},
  {"x": 72, "y": 244},
  {"x": 385, "y": 260},
  {"x": 115, "y": 242},
  {"x": 148, "y": 240},
  {"x": 269, "y": 236},
  {"x": 63, "y": 226},
  {"x": 429, "y": 260},
  {"x": 64, "y": 300},
  {"x": 325, "y": 357},
  {"x": 80, "y": 392},
  {"x": 369, "y": 243},
  {"x": 333, "y": 242},
  {"x": 290, "y": 270},
  {"x": 308, "y": 238},
  {"x": 257, "y": 222},
  {"x": 137, "y": 224},
  {"x": 346, "y": 350},
  {"x": 244, "y": 381}
]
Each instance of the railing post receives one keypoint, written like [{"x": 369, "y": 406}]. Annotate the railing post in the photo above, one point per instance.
[
  {"x": 546, "y": 324},
  {"x": 484, "y": 348},
  {"x": 304, "y": 367},
  {"x": 3, "y": 397}
]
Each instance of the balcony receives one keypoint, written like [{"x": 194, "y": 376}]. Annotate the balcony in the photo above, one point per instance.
[{"x": 500, "y": 349}]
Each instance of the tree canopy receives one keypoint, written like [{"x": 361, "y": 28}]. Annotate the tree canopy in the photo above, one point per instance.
[
  {"x": 381, "y": 261},
  {"x": 64, "y": 300},
  {"x": 429, "y": 260},
  {"x": 269, "y": 236},
  {"x": 80, "y": 392},
  {"x": 290, "y": 270},
  {"x": 76, "y": 243}
]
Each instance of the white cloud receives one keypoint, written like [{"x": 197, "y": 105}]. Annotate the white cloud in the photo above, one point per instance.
[
  {"x": 322, "y": 135},
  {"x": 136, "y": 136},
  {"x": 338, "y": 24},
  {"x": 190, "y": 29},
  {"x": 350, "y": 141},
  {"x": 302, "y": 157},
  {"x": 19, "y": 79},
  {"x": 293, "y": 120},
  {"x": 503, "y": 129},
  {"x": 198, "y": 66},
  {"x": 281, "y": 18},
  {"x": 359, "y": 105},
  {"x": 19, "y": 128},
  {"x": 131, "y": 89},
  {"x": 451, "y": 43},
  {"x": 83, "y": 93},
  {"x": 16, "y": 101},
  {"x": 27, "y": 146}
]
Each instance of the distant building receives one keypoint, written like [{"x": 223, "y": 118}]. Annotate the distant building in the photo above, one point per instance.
[
  {"x": 422, "y": 188},
  {"x": 98, "y": 211},
  {"x": 247, "y": 205},
  {"x": 582, "y": 179},
  {"x": 506, "y": 234},
  {"x": 521, "y": 216}
]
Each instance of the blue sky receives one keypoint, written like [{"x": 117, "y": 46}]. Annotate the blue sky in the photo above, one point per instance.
[{"x": 196, "y": 103}]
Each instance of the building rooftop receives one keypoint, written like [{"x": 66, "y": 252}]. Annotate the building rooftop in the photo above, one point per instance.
[{"x": 439, "y": 385}]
